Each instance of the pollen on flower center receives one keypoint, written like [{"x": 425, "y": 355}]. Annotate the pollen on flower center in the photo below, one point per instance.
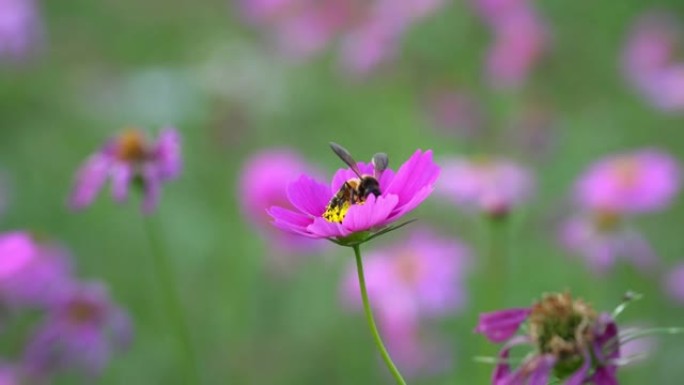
[
  {"x": 131, "y": 146},
  {"x": 336, "y": 214}
]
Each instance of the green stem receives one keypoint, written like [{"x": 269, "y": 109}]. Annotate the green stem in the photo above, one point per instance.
[
  {"x": 167, "y": 279},
  {"x": 496, "y": 262},
  {"x": 371, "y": 322}
]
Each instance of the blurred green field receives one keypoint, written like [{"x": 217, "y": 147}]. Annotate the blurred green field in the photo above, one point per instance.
[{"x": 112, "y": 64}]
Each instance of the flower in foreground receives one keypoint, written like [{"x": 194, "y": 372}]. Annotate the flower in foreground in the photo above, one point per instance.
[
  {"x": 263, "y": 184},
  {"x": 81, "y": 331},
  {"x": 571, "y": 342},
  {"x": 400, "y": 193},
  {"x": 634, "y": 182},
  {"x": 127, "y": 159},
  {"x": 490, "y": 185}
]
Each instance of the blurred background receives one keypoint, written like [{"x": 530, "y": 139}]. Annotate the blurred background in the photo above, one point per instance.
[{"x": 552, "y": 87}]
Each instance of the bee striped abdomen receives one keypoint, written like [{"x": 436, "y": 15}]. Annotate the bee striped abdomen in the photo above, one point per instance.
[{"x": 337, "y": 209}]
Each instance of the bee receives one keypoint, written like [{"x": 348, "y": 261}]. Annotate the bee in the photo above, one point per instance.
[{"x": 354, "y": 190}]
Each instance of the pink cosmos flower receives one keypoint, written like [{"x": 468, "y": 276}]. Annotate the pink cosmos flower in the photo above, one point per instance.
[
  {"x": 420, "y": 278},
  {"x": 10, "y": 374},
  {"x": 263, "y": 183},
  {"x": 602, "y": 238},
  {"x": 650, "y": 63},
  {"x": 400, "y": 193},
  {"x": 32, "y": 273},
  {"x": 415, "y": 350},
  {"x": 370, "y": 31},
  {"x": 636, "y": 182},
  {"x": 82, "y": 330},
  {"x": 520, "y": 40},
  {"x": 569, "y": 340},
  {"x": 454, "y": 112},
  {"x": 674, "y": 283},
  {"x": 423, "y": 276},
  {"x": 125, "y": 160},
  {"x": 491, "y": 185},
  {"x": 20, "y": 28}
]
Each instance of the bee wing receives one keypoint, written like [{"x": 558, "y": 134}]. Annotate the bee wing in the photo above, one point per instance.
[
  {"x": 380, "y": 162},
  {"x": 346, "y": 157}
]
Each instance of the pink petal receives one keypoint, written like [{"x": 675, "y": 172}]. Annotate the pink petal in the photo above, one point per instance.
[
  {"x": 419, "y": 171},
  {"x": 309, "y": 196},
  {"x": 372, "y": 213},
  {"x": 289, "y": 220},
  {"x": 324, "y": 229},
  {"x": 122, "y": 174},
  {"x": 89, "y": 180}
]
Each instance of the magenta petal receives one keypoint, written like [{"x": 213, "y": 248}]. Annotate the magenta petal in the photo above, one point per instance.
[
  {"x": 152, "y": 189},
  {"x": 89, "y": 180},
  {"x": 16, "y": 251},
  {"x": 604, "y": 376},
  {"x": 373, "y": 212},
  {"x": 168, "y": 154},
  {"x": 309, "y": 196},
  {"x": 503, "y": 368},
  {"x": 324, "y": 229},
  {"x": 417, "y": 199},
  {"x": 580, "y": 375},
  {"x": 419, "y": 171},
  {"x": 541, "y": 374},
  {"x": 501, "y": 325},
  {"x": 122, "y": 174},
  {"x": 289, "y": 220}
]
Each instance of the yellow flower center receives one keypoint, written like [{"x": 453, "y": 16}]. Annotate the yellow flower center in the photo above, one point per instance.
[
  {"x": 336, "y": 214},
  {"x": 131, "y": 146}
]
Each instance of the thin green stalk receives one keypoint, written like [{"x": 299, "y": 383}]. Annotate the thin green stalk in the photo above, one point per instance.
[
  {"x": 167, "y": 279},
  {"x": 497, "y": 263},
  {"x": 371, "y": 322}
]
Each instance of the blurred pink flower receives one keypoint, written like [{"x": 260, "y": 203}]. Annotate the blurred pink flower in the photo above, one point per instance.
[
  {"x": 602, "y": 238},
  {"x": 674, "y": 283},
  {"x": 126, "y": 159},
  {"x": 21, "y": 28},
  {"x": 494, "y": 11},
  {"x": 490, "y": 185},
  {"x": 368, "y": 46},
  {"x": 650, "y": 63},
  {"x": 520, "y": 39},
  {"x": 400, "y": 193},
  {"x": 82, "y": 330},
  {"x": 635, "y": 182},
  {"x": 414, "y": 349},
  {"x": 370, "y": 31},
  {"x": 454, "y": 112},
  {"x": 10, "y": 374},
  {"x": 32, "y": 273},
  {"x": 422, "y": 277},
  {"x": 262, "y": 184}
]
